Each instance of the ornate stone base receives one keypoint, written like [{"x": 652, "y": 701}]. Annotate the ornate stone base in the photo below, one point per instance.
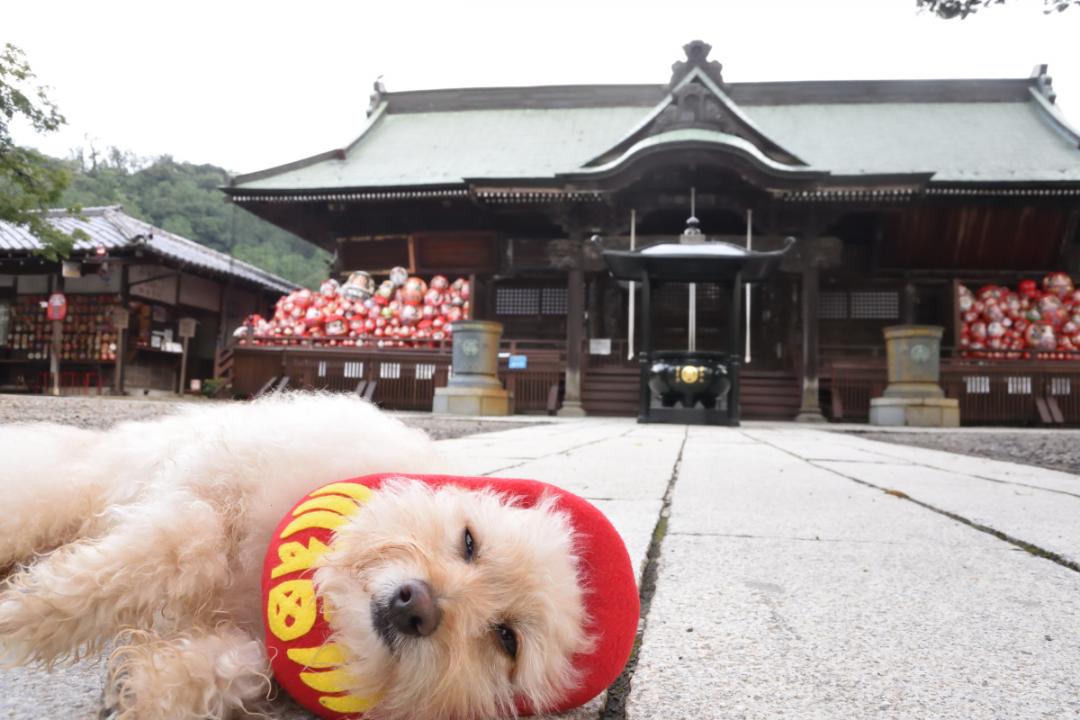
[
  {"x": 915, "y": 412},
  {"x": 571, "y": 408},
  {"x": 812, "y": 415},
  {"x": 471, "y": 401}
]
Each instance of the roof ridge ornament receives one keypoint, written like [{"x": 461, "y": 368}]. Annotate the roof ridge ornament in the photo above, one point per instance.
[
  {"x": 1043, "y": 82},
  {"x": 697, "y": 56},
  {"x": 377, "y": 96}
]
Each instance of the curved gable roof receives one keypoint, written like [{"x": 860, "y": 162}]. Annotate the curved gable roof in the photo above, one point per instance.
[{"x": 987, "y": 131}]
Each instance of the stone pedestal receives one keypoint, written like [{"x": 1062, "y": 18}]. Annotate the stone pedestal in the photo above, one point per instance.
[
  {"x": 474, "y": 387},
  {"x": 915, "y": 412},
  {"x": 913, "y": 396}
]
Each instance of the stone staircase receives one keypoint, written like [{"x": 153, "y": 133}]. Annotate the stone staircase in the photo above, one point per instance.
[{"x": 766, "y": 394}]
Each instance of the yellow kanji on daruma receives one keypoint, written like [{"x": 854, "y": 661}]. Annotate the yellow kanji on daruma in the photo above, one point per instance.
[
  {"x": 321, "y": 519},
  {"x": 318, "y": 657},
  {"x": 334, "y": 503},
  {"x": 290, "y": 610},
  {"x": 294, "y": 557}
]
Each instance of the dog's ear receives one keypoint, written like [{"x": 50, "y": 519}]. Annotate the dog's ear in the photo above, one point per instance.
[{"x": 611, "y": 596}]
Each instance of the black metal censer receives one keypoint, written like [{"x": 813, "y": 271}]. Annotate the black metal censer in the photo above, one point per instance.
[{"x": 692, "y": 386}]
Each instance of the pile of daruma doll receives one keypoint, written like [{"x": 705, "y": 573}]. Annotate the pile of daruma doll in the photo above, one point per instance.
[
  {"x": 1029, "y": 322},
  {"x": 402, "y": 311}
]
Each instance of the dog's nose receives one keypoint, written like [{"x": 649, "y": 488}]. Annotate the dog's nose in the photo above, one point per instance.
[{"x": 413, "y": 610}]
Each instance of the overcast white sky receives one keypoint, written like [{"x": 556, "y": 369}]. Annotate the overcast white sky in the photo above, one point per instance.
[{"x": 248, "y": 85}]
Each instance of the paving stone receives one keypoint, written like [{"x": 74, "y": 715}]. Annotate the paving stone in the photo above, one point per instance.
[
  {"x": 769, "y": 628},
  {"x": 1049, "y": 520}
]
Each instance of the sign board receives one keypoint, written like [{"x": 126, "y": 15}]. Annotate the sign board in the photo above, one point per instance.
[
  {"x": 31, "y": 284},
  {"x": 152, "y": 282},
  {"x": 57, "y": 307},
  {"x": 71, "y": 269},
  {"x": 600, "y": 346},
  {"x": 120, "y": 317},
  {"x": 93, "y": 283},
  {"x": 200, "y": 292},
  {"x": 187, "y": 327},
  {"x": 518, "y": 362}
]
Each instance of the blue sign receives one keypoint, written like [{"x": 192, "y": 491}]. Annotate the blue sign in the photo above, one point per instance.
[{"x": 518, "y": 362}]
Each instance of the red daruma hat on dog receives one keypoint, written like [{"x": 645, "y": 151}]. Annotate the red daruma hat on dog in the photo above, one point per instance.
[{"x": 304, "y": 660}]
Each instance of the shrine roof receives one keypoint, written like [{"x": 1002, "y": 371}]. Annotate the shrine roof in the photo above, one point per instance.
[
  {"x": 958, "y": 131},
  {"x": 110, "y": 228}
]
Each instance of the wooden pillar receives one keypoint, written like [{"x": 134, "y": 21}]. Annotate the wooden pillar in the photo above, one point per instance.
[
  {"x": 122, "y": 335},
  {"x": 810, "y": 408},
  {"x": 575, "y": 325},
  {"x": 56, "y": 345},
  {"x": 594, "y": 314},
  {"x": 223, "y": 316},
  {"x": 56, "y": 341},
  {"x": 734, "y": 402},
  {"x": 183, "y": 366},
  {"x": 646, "y": 347}
]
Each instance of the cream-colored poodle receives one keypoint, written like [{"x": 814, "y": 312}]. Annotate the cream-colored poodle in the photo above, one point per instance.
[{"x": 151, "y": 536}]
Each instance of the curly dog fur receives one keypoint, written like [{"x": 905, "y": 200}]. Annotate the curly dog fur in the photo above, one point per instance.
[{"x": 150, "y": 537}]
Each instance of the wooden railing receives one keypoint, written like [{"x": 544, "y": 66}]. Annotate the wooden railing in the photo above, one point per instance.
[
  {"x": 532, "y": 387},
  {"x": 990, "y": 392},
  {"x": 405, "y": 378},
  {"x": 223, "y": 360}
]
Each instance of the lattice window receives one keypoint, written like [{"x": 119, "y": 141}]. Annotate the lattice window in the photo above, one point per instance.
[
  {"x": 875, "y": 305},
  {"x": 708, "y": 292},
  {"x": 977, "y": 384},
  {"x": 425, "y": 371},
  {"x": 354, "y": 370},
  {"x": 1060, "y": 386},
  {"x": 390, "y": 370},
  {"x": 1018, "y": 385},
  {"x": 321, "y": 372},
  {"x": 833, "y": 305},
  {"x": 553, "y": 301},
  {"x": 517, "y": 301}
]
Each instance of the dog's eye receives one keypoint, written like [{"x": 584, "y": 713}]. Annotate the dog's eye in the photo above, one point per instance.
[
  {"x": 508, "y": 640},
  {"x": 470, "y": 546}
]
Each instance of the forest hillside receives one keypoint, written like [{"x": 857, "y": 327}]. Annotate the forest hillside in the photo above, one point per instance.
[{"x": 184, "y": 198}]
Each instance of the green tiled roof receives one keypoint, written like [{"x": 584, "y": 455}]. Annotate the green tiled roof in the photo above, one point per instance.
[
  {"x": 440, "y": 148},
  {"x": 999, "y": 131},
  {"x": 961, "y": 142}
]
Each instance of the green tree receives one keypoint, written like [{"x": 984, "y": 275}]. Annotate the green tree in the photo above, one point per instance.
[
  {"x": 949, "y": 9},
  {"x": 29, "y": 181},
  {"x": 186, "y": 199}
]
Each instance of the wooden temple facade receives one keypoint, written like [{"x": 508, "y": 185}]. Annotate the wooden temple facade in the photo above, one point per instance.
[
  {"x": 894, "y": 189},
  {"x": 133, "y": 292}
]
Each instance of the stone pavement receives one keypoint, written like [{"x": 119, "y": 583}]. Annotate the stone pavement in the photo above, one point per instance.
[{"x": 794, "y": 572}]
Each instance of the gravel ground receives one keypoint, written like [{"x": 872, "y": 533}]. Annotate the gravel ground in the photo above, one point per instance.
[
  {"x": 1052, "y": 449},
  {"x": 102, "y": 412}
]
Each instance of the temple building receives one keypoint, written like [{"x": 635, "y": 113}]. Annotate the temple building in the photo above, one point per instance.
[
  {"x": 896, "y": 190},
  {"x": 144, "y": 310}
]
